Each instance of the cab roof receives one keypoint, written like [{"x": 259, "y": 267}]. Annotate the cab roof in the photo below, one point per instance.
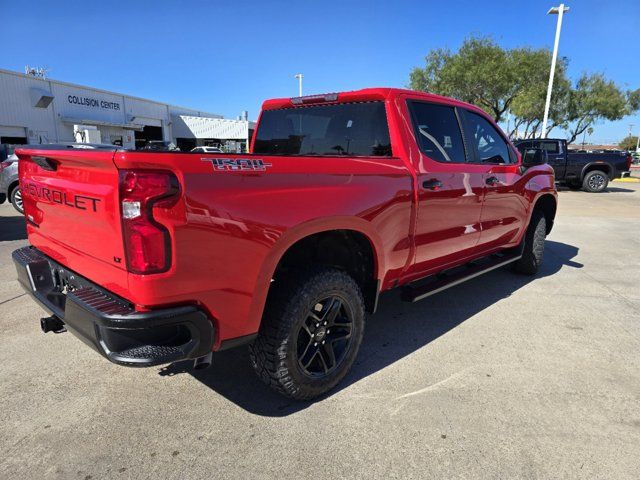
[{"x": 363, "y": 95}]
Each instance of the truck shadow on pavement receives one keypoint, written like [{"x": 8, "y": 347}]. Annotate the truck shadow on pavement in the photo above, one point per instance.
[
  {"x": 12, "y": 228},
  {"x": 618, "y": 190},
  {"x": 395, "y": 331}
]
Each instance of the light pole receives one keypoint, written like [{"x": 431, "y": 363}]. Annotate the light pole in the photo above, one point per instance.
[
  {"x": 299, "y": 77},
  {"x": 560, "y": 12}
]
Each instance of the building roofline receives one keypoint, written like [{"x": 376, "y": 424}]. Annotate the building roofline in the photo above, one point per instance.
[{"x": 100, "y": 90}]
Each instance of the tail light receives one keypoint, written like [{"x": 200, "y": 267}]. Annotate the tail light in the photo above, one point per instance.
[
  {"x": 327, "y": 97},
  {"x": 629, "y": 160},
  {"x": 147, "y": 243}
]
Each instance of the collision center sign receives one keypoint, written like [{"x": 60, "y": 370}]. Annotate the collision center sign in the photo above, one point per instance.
[
  {"x": 92, "y": 102},
  {"x": 87, "y": 104}
]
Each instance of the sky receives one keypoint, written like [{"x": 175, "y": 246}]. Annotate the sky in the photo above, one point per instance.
[{"x": 228, "y": 56}]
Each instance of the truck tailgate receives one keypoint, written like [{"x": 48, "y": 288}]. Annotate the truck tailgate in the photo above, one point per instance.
[{"x": 71, "y": 204}]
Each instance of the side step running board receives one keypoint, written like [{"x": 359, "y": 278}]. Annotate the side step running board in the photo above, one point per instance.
[{"x": 436, "y": 283}]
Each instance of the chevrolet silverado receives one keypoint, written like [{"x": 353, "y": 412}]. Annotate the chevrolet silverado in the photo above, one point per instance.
[{"x": 155, "y": 257}]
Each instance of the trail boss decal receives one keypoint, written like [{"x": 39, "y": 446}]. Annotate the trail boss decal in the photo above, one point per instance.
[{"x": 237, "y": 164}]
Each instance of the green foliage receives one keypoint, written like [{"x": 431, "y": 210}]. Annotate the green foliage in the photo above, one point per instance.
[
  {"x": 628, "y": 143},
  {"x": 592, "y": 99},
  {"x": 528, "y": 105},
  {"x": 515, "y": 80},
  {"x": 633, "y": 100},
  {"x": 481, "y": 72}
]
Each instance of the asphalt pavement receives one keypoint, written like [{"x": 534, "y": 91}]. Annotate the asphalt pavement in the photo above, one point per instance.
[{"x": 505, "y": 376}]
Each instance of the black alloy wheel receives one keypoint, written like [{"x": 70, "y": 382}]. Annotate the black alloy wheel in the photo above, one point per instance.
[
  {"x": 324, "y": 337},
  {"x": 311, "y": 332}
]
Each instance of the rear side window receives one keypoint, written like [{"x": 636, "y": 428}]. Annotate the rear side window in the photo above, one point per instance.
[
  {"x": 353, "y": 129},
  {"x": 438, "y": 132},
  {"x": 488, "y": 144},
  {"x": 550, "y": 147}
]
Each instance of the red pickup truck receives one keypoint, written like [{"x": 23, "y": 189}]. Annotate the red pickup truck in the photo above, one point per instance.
[{"x": 155, "y": 257}]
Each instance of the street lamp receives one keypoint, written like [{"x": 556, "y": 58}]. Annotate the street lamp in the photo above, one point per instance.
[
  {"x": 299, "y": 77},
  {"x": 553, "y": 11}
]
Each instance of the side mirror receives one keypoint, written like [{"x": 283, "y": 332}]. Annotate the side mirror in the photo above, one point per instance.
[{"x": 533, "y": 156}]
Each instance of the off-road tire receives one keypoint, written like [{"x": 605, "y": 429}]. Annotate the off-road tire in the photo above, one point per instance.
[
  {"x": 533, "y": 252},
  {"x": 16, "y": 199},
  {"x": 274, "y": 354},
  {"x": 595, "y": 181}
]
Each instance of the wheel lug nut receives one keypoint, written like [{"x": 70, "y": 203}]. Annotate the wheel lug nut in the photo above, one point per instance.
[
  {"x": 328, "y": 331},
  {"x": 325, "y": 323},
  {"x": 323, "y": 342},
  {"x": 317, "y": 325},
  {"x": 315, "y": 344}
]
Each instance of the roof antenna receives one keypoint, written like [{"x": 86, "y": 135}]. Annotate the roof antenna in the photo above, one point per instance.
[{"x": 38, "y": 72}]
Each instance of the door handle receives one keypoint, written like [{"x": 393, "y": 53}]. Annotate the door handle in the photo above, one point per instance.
[
  {"x": 432, "y": 184},
  {"x": 492, "y": 181}
]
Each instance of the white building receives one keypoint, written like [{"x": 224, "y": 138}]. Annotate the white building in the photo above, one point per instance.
[{"x": 35, "y": 110}]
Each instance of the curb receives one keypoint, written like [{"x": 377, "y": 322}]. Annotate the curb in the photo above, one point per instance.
[{"x": 628, "y": 180}]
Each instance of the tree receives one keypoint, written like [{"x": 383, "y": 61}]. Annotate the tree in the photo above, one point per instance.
[
  {"x": 528, "y": 105},
  {"x": 515, "y": 80},
  {"x": 480, "y": 72},
  {"x": 628, "y": 143},
  {"x": 633, "y": 100},
  {"x": 595, "y": 98}
]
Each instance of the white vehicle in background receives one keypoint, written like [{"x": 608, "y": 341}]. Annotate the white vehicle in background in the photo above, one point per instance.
[
  {"x": 9, "y": 189},
  {"x": 206, "y": 150}
]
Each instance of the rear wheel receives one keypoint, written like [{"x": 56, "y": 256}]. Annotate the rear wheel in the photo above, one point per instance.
[
  {"x": 311, "y": 333},
  {"x": 16, "y": 199},
  {"x": 595, "y": 181},
  {"x": 533, "y": 252}
]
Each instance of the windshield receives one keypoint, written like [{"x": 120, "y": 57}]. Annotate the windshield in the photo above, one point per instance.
[{"x": 354, "y": 129}]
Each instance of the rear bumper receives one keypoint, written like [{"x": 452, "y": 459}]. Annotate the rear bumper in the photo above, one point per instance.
[{"x": 107, "y": 322}]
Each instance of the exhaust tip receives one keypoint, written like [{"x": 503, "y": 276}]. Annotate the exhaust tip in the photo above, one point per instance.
[
  {"x": 203, "y": 362},
  {"x": 52, "y": 324}
]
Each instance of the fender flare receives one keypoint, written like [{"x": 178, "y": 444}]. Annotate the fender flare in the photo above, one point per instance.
[
  {"x": 534, "y": 202},
  {"x": 294, "y": 234},
  {"x": 610, "y": 173},
  {"x": 539, "y": 184}
]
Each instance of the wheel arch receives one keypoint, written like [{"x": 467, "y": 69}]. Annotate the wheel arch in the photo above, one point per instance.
[
  {"x": 602, "y": 166},
  {"x": 548, "y": 204},
  {"x": 12, "y": 186},
  {"x": 324, "y": 232}
]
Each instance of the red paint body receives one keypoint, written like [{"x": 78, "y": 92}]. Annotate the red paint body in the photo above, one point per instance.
[{"x": 228, "y": 229}]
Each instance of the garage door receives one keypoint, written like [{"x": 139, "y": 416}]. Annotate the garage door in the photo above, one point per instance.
[
  {"x": 147, "y": 134},
  {"x": 6, "y": 131}
]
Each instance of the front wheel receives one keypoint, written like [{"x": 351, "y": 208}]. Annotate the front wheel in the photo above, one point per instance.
[
  {"x": 595, "y": 181},
  {"x": 16, "y": 199},
  {"x": 310, "y": 334},
  {"x": 533, "y": 251}
]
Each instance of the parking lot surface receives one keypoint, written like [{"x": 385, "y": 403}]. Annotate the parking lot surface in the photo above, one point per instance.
[{"x": 504, "y": 376}]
